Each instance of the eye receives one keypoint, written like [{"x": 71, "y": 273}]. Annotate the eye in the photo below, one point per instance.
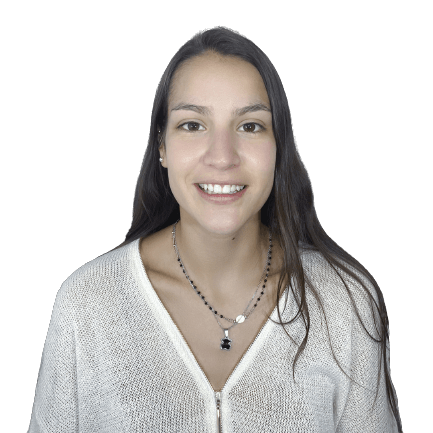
[
  {"x": 189, "y": 123},
  {"x": 262, "y": 128}
]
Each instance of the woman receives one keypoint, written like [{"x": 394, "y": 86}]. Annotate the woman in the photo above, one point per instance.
[{"x": 227, "y": 308}]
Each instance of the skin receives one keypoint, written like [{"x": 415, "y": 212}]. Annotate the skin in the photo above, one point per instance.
[{"x": 222, "y": 243}]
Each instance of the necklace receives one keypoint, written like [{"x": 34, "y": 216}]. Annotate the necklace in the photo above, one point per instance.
[{"x": 226, "y": 341}]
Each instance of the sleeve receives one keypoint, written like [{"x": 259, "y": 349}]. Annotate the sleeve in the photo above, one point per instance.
[
  {"x": 361, "y": 412},
  {"x": 55, "y": 407}
]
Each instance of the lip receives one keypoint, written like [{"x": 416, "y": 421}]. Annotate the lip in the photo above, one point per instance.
[
  {"x": 222, "y": 182},
  {"x": 221, "y": 199}
]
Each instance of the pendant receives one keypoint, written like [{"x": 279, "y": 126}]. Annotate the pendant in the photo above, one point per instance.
[{"x": 226, "y": 343}]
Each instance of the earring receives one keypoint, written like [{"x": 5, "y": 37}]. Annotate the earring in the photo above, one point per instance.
[{"x": 159, "y": 132}]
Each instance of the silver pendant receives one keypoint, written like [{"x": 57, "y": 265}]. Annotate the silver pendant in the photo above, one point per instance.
[{"x": 226, "y": 342}]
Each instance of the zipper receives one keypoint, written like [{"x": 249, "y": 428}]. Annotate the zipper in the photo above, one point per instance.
[{"x": 218, "y": 410}]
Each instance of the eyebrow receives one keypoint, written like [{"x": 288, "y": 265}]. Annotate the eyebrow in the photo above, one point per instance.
[{"x": 206, "y": 111}]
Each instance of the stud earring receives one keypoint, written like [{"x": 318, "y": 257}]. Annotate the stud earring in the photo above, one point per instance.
[{"x": 160, "y": 159}]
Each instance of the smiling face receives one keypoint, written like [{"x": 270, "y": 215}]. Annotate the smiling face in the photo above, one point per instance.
[{"x": 219, "y": 132}]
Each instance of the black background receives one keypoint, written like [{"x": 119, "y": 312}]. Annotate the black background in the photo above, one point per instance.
[{"x": 84, "y": 95}]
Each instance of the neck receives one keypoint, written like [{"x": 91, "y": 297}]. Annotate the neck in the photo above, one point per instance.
[{"x": 223, "y": 263}]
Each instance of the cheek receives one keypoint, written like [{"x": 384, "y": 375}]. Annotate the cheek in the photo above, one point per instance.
[
  {"x": 264, "y": 160},
  {"x": 181, "y": 157},
  {"x": 181, "y": 162}
]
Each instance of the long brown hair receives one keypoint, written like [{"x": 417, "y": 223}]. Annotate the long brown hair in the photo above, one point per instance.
[{"x": 289, "y": 211}]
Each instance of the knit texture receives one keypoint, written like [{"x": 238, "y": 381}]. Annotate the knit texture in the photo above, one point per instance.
[{"x": 114, "y": 361}]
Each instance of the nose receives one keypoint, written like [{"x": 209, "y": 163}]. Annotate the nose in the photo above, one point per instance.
[{"x": 222, "y": 151}]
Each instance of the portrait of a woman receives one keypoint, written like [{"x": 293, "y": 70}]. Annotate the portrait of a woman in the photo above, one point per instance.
[{"x": 227, "y": 308}]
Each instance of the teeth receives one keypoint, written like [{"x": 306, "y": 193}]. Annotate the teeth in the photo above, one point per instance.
[{"x": 218, "y": 189}]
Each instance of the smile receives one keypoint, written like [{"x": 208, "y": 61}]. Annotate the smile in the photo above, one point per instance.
[{"x": 222, "y": 197}]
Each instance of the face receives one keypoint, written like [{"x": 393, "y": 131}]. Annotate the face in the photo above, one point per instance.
[{"x": 219, "y": 134}]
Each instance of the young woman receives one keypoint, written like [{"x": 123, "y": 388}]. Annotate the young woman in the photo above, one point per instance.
[{"x": 227, "y": 308}]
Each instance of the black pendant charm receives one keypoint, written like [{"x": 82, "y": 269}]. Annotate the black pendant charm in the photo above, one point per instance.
[{"x": 226, "y": 343}]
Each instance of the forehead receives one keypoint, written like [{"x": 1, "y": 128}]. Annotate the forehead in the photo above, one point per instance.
[{"x": 217, "y": 81}]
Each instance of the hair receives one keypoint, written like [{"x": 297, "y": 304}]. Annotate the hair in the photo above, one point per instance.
[{"x": 289, "y": 211}]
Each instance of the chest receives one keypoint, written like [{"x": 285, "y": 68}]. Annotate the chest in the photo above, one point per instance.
[{"x": 202, "y": 333}]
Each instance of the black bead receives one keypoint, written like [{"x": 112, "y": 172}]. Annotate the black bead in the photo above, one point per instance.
[
  {"x": 216, "y": 312},
  {"x": 267, "y": 269},
  {"x": 178, "y": 260},
  {"x": 184, "y": 271},
  {"x": 262, "y": 293},
  {"x": 210, "y": 308},
  {"x": 180, "y": 265},
  {"x": 202, "y": 297},
  {"x": 266, "y": 280},
  {"x": 255, "y": 305},
  {"x": 258, "y": 299},
  {"x": 263, "y": 286},
  {"x": 205, "y": 303},
  {"x": 198, "y": 293},
  {"x": 192, "y": 282},
  {"x": 222, "y": 317},
  {"x": 194, "y": 286},
  {"x": 269, "y": 263}
]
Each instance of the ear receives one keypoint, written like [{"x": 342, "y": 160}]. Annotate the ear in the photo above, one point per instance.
[
  {"x": 161, "y": 154},
  {"x": 161, "y": 147}
]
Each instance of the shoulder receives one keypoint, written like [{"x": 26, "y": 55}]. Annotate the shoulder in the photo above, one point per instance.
[
  {"x": 335, "y": 277},
  {"x": 343, "y": 291},
  {"x": 156, "y": 252},
  {"x": 101, "y": 277}
]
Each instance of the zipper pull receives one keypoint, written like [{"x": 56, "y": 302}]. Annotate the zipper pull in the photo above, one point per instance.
[{"x": 218, "y": 410}]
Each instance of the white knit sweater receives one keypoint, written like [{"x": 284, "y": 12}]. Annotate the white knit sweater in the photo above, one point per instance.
[{"x": 114, "y": 362}]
